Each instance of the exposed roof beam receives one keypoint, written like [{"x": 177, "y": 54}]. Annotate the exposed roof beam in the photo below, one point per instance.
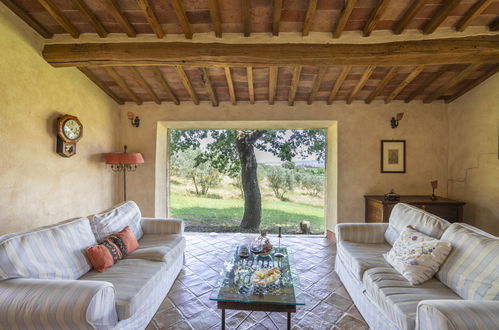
[
  {"x": 148, "y": 11},
  {"x": 209, "y": 87},
  {"x": 187, "y": 84},
  {"x": 294, "y": 85},
  {"x": 120, "y": 82},
  {"x": 246, "y": 15},
  {"x": 103, "y": 86},
  {"x": 92, "y": 19},
  {"x": 440, "y": 16},
  {"x": 472, "y": 13},
  {"x": 379, "y": 88},
  {"x": 343, "y": 19},
  {"x": 159, "y": 75},
  {"x": 410, "y": 13},
  {"x": 472, "y": 68},
  {"x": 494, "y": 26},
  {"x": 182, "y": 18},
  {"x": 376, "y": 14},
  {"x": 230, "y": 84},
  {"x": 60, "y": 18},
  {"x": 317, "y": 83},
  {"x": 145, "y": 85},
  {"x": 27, "y": 18},
  {"x": 309, "y": 17},
  {"x": 121, "y": 19},
  {"x": 426, "y": 83},
  {"x": 473, "y": 84},
  {"x": 361, "y": 83},
  {"x": 273, "y": 73},
  {"x": 337, "y": 84},
  {"x": 414, "y": 73},
  {"x": 276, "y": 17},
  {"x": 251, "y": 88},
  {"x": 216, "y": 20},
  {"x": 479, "y": 49}
]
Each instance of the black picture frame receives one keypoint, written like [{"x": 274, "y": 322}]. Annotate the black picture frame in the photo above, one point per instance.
[{"x": 391, "y": 160}]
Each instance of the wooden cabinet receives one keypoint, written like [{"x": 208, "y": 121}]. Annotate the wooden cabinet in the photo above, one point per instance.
[{"x": 378, "y": 209}]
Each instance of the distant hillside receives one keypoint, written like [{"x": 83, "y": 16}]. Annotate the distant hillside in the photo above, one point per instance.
[{"x": 300, "y": 163}]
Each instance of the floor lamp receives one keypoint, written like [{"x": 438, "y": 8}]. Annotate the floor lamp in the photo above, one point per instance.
[{"x": 124, "y": 162}]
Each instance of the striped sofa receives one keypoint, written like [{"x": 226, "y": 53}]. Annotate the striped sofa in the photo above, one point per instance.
[
  {"x": 46, "y": 281},
  {"x": 464, "y": 294}
]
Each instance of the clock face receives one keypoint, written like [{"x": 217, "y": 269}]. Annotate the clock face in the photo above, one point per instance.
[{"x": 72, "y": 129}]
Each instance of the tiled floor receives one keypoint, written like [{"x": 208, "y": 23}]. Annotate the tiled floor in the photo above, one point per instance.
[{"x": 328, "y": 305}]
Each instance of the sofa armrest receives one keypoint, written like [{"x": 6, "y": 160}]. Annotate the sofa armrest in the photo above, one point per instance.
[
  {"x": 457, "y": 314},
  {"x": 361, "y": 232},
  {"x": 162, "y": 226},
  {"x": 57, "y": 304}
]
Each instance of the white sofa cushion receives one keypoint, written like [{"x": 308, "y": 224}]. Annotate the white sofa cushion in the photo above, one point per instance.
[
  {"x": 115, "y": 219},
  {"x": 157, "y": 247},
  {"x": 51, "y": 252},
  {"x": 359, "y": 257}
]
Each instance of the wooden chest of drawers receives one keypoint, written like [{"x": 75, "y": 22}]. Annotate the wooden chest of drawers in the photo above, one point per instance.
[{"x": 378, "y": 209}]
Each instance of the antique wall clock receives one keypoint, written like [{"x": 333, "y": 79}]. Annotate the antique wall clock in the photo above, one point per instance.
[{"x": 69, "y": 132}]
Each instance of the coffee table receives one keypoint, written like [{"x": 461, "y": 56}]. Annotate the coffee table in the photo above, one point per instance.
[{"x": 235, "y": 289}]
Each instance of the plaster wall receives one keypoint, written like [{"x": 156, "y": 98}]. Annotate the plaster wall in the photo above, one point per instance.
[
  {"x": 473, "y": 154},
  {"x": 37, "y": 186}
]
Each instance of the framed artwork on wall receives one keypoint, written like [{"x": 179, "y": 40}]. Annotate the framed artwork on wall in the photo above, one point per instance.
[{"x": 392, "y": 156}]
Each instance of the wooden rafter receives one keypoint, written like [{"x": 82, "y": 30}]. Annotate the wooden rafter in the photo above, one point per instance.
[
  {"x": 182, "y": 18},
  {"x": 187, "y": 84},
  {"x": 453, "y": 82},
  {"x": 379, "y": 88},
  {"x": 376, "y": 14},
  {"x": 205, "y": 77},
  {"x": 60, "y": 18},
  {"x": 276, "y": 17},
  {"x": 159, "y": 76},
  {"x": 114, "y": 8},
  {"x": 246, "y": 16},
  {"x": 473, "y": 84},
  {"x": 317, "y": 83},
  {"x": 92, "y": 19},
  {"x": 494, "y": 26},
  {"x": 473, "y": 13},
  {"x": 344, "y": 16},
  {"x": 25, "y": 16},
  {"x": 337, "y": 84},
  {"x": 410, "y": 77},
  {"x": 216, "y": 20},
  {"x": 361, "y": 83},
  {"x": 294, "y": 85},
  {"x": 151, "y": 17},
  {"x": 230, "y": 85},
  {"x": 426, "y": 83},
  {"x": 273, "y": 73},
  {"x": 408, "y": 16},
  {"x": 144, "y": 84},
  {"x": 251, "y": 87},
  {"x": 440, "y": 16},
  {"x": 120, "y": 82},
  {"x": 309, "y": 17},
  {"x": 102, "y": 86}
]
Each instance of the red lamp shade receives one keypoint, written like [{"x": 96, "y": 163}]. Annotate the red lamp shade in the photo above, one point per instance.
[{"x": 124, "y": 158}]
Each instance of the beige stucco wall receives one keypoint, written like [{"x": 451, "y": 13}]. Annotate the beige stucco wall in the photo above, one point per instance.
[
  {"x": 473, "y": 145},
  {"x": 37, "y": 186}
]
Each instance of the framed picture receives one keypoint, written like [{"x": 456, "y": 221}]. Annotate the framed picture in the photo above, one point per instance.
[{"x": 392, "y": 156}]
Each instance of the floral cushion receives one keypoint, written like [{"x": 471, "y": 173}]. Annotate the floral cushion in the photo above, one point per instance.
[{"x": 417, "y": 256}]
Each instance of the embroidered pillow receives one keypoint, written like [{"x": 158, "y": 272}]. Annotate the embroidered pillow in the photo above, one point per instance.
[{"x": 417, "y": 256}]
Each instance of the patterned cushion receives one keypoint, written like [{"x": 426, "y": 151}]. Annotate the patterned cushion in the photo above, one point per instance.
[
  {"x": 51, "y": 252},
  {"x": 359, "y": 257},
  {"x": 472, "y": 268},
  {"x": 115, "y": 219},
  {"x": 166, "y": 248},
  {"x": 417, "y": 256}
]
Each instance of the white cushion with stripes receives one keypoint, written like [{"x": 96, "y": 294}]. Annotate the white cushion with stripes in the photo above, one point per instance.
[{"x": 115, "y": 219}]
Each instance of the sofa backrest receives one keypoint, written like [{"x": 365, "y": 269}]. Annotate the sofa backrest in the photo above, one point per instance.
[
  {"x": 472, "y": 268},
  {"x": 51, "y": 252},
  {"x": 404, "y": 215},
  {"x": 115, "y": 219}
]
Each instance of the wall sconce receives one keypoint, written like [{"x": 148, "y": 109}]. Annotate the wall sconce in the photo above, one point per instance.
[
  {"x": 395, "y": 122},
  {"x": 434, "y": 185},
  {"x": 134, "y": 121}
]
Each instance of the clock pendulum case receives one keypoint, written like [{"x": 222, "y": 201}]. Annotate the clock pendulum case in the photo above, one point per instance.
[{"x": 69, "y": 132}]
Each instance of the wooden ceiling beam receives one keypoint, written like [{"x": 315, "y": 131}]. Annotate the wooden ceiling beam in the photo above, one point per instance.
[
  {"x": 114, "y": 8},
  {"x": 379, "y": 88},
  {"x": 361, "y": 83},
  {"x": 473, "y": 84},
  {"x": 182, "y": 18},
  {"x": 120, "y": 82},
  {"x": 187, "y": 84},
  {"x": 375, "y": 16},
  {"x": 246, "y": 16},
  {"x": 447, "y": 7},
  {"x": 148, "y": 11},
  {"x": 102, "y": 86},
  {"x": 309, "y": 17},
  {"x": 145, "y": 85},
  {"x": 92, "y": 19},
  {"x": 159, "y": 75},
  {"x": 251, "y": 87},
  {"x": 470, "y": 69},
  {"x": 472, "y": 13},
  {"x": 317, "y": 83},
  {"x": 273, "y": 74},
  {"x": 230, "y": 85},
  {"x": 426, "y": 83},
  {"x": 60, "y": 18},
  {"x": 344, "y": 16},
  {"x": 205, "y": 77},
  {"x": 216, "y": 19},
  {"x": 494, "y": 25},
  {"x": 408, "y": 16},
  {"x": 294, "y": 85},
  {"x": 337, "y": 84},
  {"x": 27, "y": 18},
  {"x": 410, "y": 77},
  {"x": 276, "y": 17}
]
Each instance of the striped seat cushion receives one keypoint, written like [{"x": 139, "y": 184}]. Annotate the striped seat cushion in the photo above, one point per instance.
[
  {"x": 154, "y": 247},
  {"x": 51, "y": 252},
  {"x": 359, "y": 257},
  {"x": 115, "y": 219},
  {"x": 472, "y": 267}
]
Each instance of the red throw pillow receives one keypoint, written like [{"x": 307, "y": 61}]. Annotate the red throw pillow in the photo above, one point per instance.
[{"x": 129, "y": 239}]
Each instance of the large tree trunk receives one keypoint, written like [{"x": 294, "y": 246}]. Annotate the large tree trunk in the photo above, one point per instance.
[{"x": 252, "y": 198}]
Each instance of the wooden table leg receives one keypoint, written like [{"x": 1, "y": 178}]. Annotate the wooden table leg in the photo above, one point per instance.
[
  {"x": 289, "y": 320},
  {"x": 223, "y": 319}
]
